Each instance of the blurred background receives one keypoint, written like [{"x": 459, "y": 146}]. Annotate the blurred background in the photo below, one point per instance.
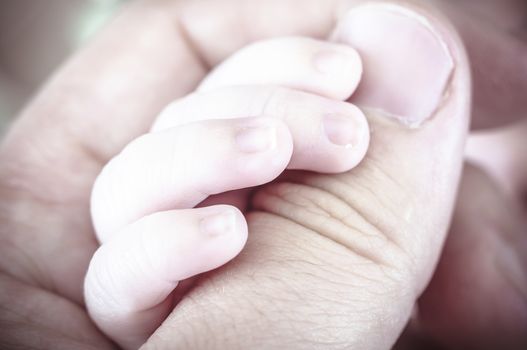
[{"x": 36, "y": 36}]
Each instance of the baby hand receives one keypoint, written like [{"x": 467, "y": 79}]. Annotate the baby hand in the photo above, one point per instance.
[{"x": 274, "y": 105}]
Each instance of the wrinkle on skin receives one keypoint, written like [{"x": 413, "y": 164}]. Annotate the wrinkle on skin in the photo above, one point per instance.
[
  {"x": 323, "y": 212},
  {"x": 288, "y": 302}
]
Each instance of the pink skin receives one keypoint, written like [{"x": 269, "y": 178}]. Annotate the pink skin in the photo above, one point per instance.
[
  {"x": 337, "y": 261},
  {"x": 141, "y": 200},
  {"x": 372, "y": 94},
  {"x": 141, "y": 311},
  {"x": 109, "y": 94},
  {"x": 131, "y": 278}
]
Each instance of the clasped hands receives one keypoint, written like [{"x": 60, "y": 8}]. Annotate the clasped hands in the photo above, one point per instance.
[{"x": 336, "y": 257}]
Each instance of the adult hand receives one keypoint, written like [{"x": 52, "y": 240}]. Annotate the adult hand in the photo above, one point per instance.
[
  {"x": 338, "y": 261},
  {"x": 109, "y": 92},
  {"x": 471, "y": 257}
]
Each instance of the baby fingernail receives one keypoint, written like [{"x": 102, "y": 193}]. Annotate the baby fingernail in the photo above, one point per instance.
[
  {"x": 256, "y": 139},
  {"x": 407, "y": 64},
  {"x": 341, "y": 130},
  {"x": 336, "y": 62},
  {"x": 219, "y": 224}
]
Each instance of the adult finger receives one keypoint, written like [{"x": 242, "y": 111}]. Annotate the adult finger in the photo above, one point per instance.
[
  {"x": 381, "y": 88},
  {"x": 131, "y": 278}
]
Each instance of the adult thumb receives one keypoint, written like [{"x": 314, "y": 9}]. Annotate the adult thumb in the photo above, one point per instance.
[{"x": 338, "y": 261}]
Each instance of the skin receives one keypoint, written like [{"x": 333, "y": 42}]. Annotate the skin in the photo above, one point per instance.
[
  {"x": 33, "y": 284},
  {"x": 148, "y": 248},
  {"x": 358, "y": 246}
]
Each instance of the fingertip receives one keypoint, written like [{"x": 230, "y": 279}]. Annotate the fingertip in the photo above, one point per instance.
[
  {"x": 338, "y": 144},
  {"x": 278, "y": 149},
  {"x": 349, "y": 135},
  {"x": 413, "y": 59},
  {"x": 342, "y": 66},
  {"x": 185, "y": 243},
  {"x": 320, "y": 67},
  {"x": 224, "y": 230}
]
